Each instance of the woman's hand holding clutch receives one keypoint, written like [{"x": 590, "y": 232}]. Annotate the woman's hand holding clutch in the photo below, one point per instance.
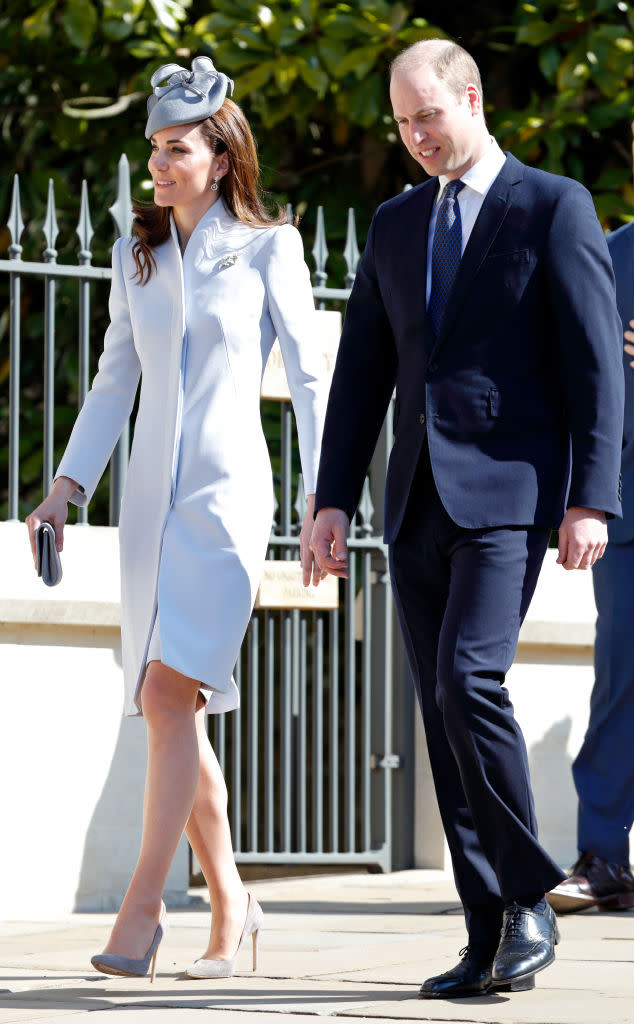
[{"x": 53, "y": 510}]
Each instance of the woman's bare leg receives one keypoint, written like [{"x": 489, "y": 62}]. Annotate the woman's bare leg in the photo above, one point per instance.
[
  {"x": 209, "y": 834},
  {"x": 169, "y": 707}
]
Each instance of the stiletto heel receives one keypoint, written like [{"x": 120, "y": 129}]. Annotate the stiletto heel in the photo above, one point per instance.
[
  {"x": 129, "y": 967},
  {"x": 226, "y": 968},
  {"x": 153, "y": 966}
]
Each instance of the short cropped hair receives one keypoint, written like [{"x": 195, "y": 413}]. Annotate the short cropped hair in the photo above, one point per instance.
[{"x": 452, "y": 64}]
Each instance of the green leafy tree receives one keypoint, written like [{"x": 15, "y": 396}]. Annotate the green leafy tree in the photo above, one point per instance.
[{"x": 576, "y": 120}]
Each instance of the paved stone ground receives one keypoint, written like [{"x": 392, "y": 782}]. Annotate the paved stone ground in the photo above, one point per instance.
[{"x": 346, "y": 946}]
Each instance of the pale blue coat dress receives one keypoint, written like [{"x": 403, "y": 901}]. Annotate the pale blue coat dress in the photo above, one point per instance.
[{"x": 197, "y": 508}]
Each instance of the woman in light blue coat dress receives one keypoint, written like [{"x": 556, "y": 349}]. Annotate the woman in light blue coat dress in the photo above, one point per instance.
[{"x": 199, "y": 293}]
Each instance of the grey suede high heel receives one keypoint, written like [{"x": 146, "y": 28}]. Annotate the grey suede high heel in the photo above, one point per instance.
[
  {"x": 226, "y": 968},
  {"x": 129, "y": 967}
]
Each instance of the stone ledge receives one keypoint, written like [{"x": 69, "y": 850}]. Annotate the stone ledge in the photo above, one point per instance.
[
  {"x": 557, "y": 634},
  {"x": 59, "y": 613},
  {"x": 562, "y": 613}
]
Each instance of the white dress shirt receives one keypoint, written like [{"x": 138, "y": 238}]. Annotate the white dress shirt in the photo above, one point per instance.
[{"x": 477, "y": 180}]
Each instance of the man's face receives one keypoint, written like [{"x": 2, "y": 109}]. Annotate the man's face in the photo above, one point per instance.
[{"x": 444, "y": 134}]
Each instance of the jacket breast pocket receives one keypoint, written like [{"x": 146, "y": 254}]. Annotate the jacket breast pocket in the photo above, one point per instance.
[{"x": 509, "y": 272}]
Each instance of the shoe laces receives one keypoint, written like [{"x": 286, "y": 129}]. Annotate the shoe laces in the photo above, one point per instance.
[{"x": 512, "y": 925}]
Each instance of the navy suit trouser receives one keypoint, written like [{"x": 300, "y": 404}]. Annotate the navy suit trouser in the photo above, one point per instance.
[
  {"x": 604, "y": 768},
  {"x": 461, "y": 596}
]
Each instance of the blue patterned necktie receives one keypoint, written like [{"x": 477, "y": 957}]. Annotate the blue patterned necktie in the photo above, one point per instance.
[{"x": 446, "y": 252}]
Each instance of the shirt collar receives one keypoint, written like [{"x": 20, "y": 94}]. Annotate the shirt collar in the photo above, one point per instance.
[{"x": 481, "y": 176}]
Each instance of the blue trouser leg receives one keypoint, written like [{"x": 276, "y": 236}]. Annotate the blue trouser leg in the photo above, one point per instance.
[
  {"x": 604, "y": 767},
  {"x": 461, "y": 596}
]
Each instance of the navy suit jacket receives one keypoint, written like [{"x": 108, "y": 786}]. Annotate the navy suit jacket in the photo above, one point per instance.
[
  {"x": 621, "y": 246},
  {"x": 521, "y": 392}
]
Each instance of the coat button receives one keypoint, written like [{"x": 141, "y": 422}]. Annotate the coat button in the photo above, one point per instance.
[
  {"x": 432, "y": 367},
  {"x": 422, "y": 417}
]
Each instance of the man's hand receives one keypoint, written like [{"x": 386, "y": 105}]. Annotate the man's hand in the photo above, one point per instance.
[
  {"x": 583, "y": 535},
  {"x": 329, "y": 541}
]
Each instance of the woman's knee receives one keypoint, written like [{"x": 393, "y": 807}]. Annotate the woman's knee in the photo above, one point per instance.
[{"x": 166, "y": 695}]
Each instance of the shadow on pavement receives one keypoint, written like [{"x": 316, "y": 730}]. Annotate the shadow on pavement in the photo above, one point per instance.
[
  {"x": 239, "y": 999},
  {"x": 362, "y": 908}
]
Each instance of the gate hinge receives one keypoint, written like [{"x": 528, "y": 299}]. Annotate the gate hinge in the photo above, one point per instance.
[{"x": 384, "y": 761}]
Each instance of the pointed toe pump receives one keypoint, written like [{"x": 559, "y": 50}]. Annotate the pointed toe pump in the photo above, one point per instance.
[
  {"x": 226, "y": 968},
  {"x": 129, "y": 967}
]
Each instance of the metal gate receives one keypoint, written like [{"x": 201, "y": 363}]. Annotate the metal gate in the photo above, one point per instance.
[{"x": 314, "y": 733}]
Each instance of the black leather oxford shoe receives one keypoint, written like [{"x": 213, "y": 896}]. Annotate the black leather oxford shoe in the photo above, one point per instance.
[
  {"x": 527, "y": 944},
  {"x": 471, "y": 977}
]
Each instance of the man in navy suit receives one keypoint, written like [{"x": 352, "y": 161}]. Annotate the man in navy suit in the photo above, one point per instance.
[
  {"x": 486, "y": 297},
  {"x": 603, "y": 770}
]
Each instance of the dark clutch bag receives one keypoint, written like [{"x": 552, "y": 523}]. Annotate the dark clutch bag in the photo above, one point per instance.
[{"x": 49, "y": 564}]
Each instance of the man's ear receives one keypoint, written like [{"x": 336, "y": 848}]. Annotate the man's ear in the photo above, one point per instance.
[{"x": 474, "y": 99}]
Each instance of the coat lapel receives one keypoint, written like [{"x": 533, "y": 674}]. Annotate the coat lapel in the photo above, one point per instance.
[{"x": 485, "y": 229}]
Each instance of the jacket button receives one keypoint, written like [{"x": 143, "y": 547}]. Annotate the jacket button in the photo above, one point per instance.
[
  {"x": 422, "y": 417},
  {"x": 432, "y": 367}
]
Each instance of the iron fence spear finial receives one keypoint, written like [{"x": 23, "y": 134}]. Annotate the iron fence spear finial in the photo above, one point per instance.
[
  {"x": 320, "y": 250},
  {"x": 15, "y": 223},
  {"x": 121, "y": 209},
  {"x": 50, "y": 228},
  {"x": 351, "y": 251},
  {"x": 84, "y": 228}
]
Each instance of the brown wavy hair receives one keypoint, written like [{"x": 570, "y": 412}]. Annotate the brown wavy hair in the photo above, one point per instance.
[{"x": 226, "y": 131}]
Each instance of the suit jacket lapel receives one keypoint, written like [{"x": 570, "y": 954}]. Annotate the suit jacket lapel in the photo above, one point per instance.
[{"x": 485, "y": 229}]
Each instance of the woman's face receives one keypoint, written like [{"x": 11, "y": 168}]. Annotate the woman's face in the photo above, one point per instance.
[{"x": 183, "y": 167}]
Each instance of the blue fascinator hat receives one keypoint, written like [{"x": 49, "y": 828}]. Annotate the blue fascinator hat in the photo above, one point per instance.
[{"x": 186, "y": 95}]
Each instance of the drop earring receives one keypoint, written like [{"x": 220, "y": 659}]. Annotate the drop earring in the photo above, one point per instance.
[{"x": 214, "y": 187}]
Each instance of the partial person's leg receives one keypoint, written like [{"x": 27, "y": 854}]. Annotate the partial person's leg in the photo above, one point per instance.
[
  {"x": 169, "y": 706},
  {"x": 420, "y": 573},
  {"x": 603, "y": 770},
  {"x": 493, "y": 577},
  {"x": 209, "y": 834},
  {"x": 420, "y": 605}
]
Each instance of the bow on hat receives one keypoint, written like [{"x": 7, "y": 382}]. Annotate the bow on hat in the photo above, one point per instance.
[{"x": 187, "y": 95}]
